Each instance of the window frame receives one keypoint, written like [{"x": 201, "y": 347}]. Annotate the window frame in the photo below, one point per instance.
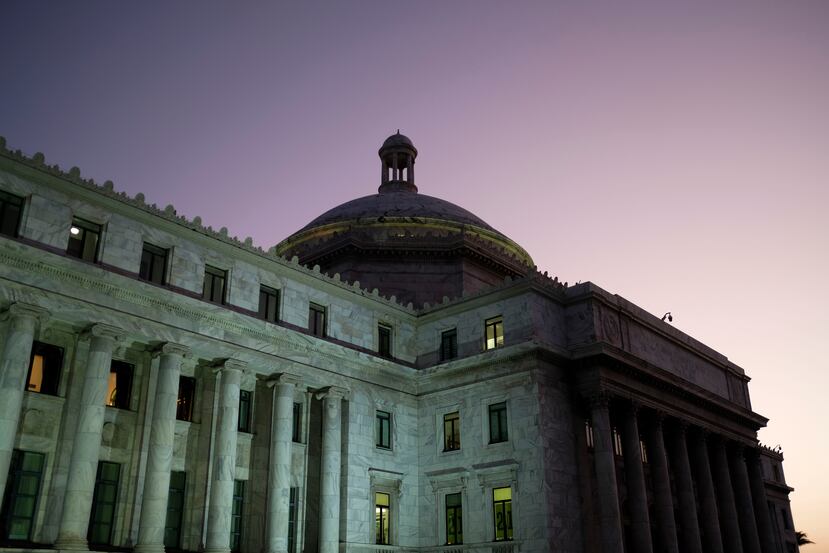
[
  {"x": 501, "y": 410},
  {"x": 451, "y": 333},
  {"x": 269, "y": 293},
  {"x": 509, "y": 527},
  {"x": 84, "y": 227},
  {"x": 17, "y": 473},
  {"x": 100, "y": 483},
  {"x": 7, "y": 201},
  {"x": 457, "y": 512},
  {"x": 455, "y": 443},
  {"x": 178, "y": 513},
  {"x": 244, "y": 424},
  {"x": 214, "y": 273},
  {"x": 378, "y": 520},
  {"x": 495, "y": 323},
  {"x": 163, "y": 254},
  {"x": 385, "y": 333},
  {"x": 123, "y": 400},
  {"x": 56, "y": 371},
  {"x": 315, "y": 311},
  {"x": 190, "y": 409},
  {"x": 381, "y": 417},
  {"x": 296, "y": 423},
  {"x": 237, "y": 516}
]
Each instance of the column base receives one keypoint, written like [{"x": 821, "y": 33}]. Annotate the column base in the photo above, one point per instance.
[
  {"x": 149, "y": 548},
  {"x": 71, "y": 543},
  {"x": 217, "y": 550}
]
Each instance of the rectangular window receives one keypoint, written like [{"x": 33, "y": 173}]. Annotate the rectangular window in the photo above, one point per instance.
[
  {"x": 292, "y": 511},
  {"x": 236, "y": 515},
  {"x": 617, "y": 442},
  {"x": 244, "y": 410},
  {"x": 22, "y": 490},
  {"x": 102, "y": 519},
  {"x": 452, "y": 431},
  {"x": 175, "y": 510},
  {"x": 502, "y": 508},
  {"x": 448, "y": 344},
  {"x": 643, "y": 450},
  {"x": 45, "y": 367},
  {"x": 494, "y": 332},
  {"x": 383, "y": 432},
  {"x": 588, "y": 433},
  {"x": 84, "y": 238},
  {"x": 296, "y": 432},
  {"x": 215, "y": 285},
  {"x": 316, "y": 320},
  {"x": 268, "y": 304},
  {"x": 454, "y": 519},
  {"x": 186, "y": 398},
  {"x": 153, "y": 266},
  {"x": 120, "y": 385},
  {"x": 498, "y": 423},
  {"x": 384, "y": 340},
  {"x": 382, "y": 525},
  {"x": 11, "y": 208}
]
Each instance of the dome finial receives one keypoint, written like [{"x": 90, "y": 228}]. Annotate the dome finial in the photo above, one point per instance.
[{"x": 397, "y": 158}]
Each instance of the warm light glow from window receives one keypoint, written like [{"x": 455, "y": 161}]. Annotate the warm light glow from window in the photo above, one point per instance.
[
  {"x": 74, "y": 231},
  {"x": 36, "y": 379},
  {"x": 111, "y": 390}
]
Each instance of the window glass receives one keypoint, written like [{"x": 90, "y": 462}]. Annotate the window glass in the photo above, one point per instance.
[
  {"x": 11, "y": 208},
  {"x": 316, "y": 320},
  {"x": 494, "y": 333},
  {"x": 22, "y": 490},
  {"x": 153, "y": 266},
  {"x": 292, "y": 512},
  {"x": 384, "y": 340},
  {"x": 186, "y": 398},
  {"x": 214, "y": 284},
  {"x": 120, "y": 385},
  {"x": 268, "y": 304},
  {"x": 236, "y": 515},
  {"x": 84, "y": 237},
  {"x": 498, "y": 423},
  {"x": 382, "y": 524},
  {"x": 383, "y": 430},
  {"x": 454, "y": 519},
  {"x": 296, "y": 433},
  {"x": 244, "y": 410},
  {"x": 448, "y": 344},
  {"x": 175, "y": 510},
  {"x": 102, "y": 519},
  {"x": 502, "y": 508},
  {"x": 45, "y": 367},
  {"x": 451, "y": 431}
]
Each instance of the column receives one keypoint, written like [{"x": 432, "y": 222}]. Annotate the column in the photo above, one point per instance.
[
  {"x": 640, "y": 525},
  {"x": 329, "y": 536},
  {"x": 14, "y": 366},
  {"x": 279, "y": 463},
  {"x": 160, "y": 454},
  {"x": 610, "y": 518},
  {"x": 224, "y": 457},
  {"x": 662, "y": 496},
  {"x": 709, "y": 522},
  {"x": 725, "y": 498},
  {"x": 685, "y": 492},
  {"x": 83, "y": 464},
  {"x": 758, "y": 496},
  {"x": 742, "y": 498}
]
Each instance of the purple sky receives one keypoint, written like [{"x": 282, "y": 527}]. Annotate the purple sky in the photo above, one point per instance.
[{"x": 674, "y": 153}]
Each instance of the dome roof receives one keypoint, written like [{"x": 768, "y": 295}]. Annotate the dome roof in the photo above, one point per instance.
[{"x": 397, "y": 140}]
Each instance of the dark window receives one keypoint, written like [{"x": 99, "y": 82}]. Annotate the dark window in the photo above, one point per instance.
[
  {"x": 22, "y": 490},
  {"x": 451, "y": 431},
  {"x": 120, "y": 385},
  {"x": 316, "y": 320},
  {"x": 102, "y": 519},
  {"x": 448, "y": 344},
  {"x": 498, "y": 423},
  {"x": 153, "y": 264},
  {"x": 268, "y": 304},
  {"x": 454, "y": 519},
  {"x": 502, "y": 509},
  {"x": 186, "y": 398},
  {"x": 382, "y": 525},
  {"x": 175, "y": 510},
  {"x": 44, "y": 369},
  {"x": 383, "y": 438},
  {"x": 214, "y": 284},
  {"x": 784, "y": 514},
  {"x": 292, "y": 511},
  {"x": 494, "y": 332},
  {"x": 296, "y": 423},
  {"x": 384, "y": 340},
  {"x": 83, "y": 240},
  {"x": 236, "y": 515},
  {"x": 11, "y": 208},
  {"x": 244, "y": 411}
]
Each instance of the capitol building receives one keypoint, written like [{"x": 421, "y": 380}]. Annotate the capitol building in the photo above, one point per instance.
[{"x": 396, "y": 376}]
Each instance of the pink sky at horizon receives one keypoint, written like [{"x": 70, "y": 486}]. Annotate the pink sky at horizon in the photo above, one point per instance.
[{"x": 675, "y": 154}]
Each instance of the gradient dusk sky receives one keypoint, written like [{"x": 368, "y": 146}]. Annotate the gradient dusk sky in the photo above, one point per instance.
[{"x": 675, "y": 153}]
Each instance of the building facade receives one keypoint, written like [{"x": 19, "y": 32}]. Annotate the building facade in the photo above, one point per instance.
[{"x": 396, "y": 376}]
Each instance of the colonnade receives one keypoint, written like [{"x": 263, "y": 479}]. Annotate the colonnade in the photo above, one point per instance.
[
  {"x": 80, "y": 485},
  {"x": 720, "y": 495}
]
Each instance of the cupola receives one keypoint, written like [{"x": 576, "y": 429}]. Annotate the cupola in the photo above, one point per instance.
[{"x": 397, "y": 159}]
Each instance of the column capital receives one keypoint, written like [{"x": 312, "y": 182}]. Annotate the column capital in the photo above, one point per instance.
[
  {"x": 171, "y": 348},
  {"x": 229, "y": 364},
  {"x": 331, "y": 392},
  {"x": 25, "y": 311},
  {"x": 101, "y": 330},
  {"x": 282, "y": 378}
]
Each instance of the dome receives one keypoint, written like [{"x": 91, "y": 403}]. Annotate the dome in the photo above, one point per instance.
[{"x": 397, "y": 140}]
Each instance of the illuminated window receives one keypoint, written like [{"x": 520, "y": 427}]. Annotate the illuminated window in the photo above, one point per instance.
[
  {"x": 236, "y": 515},
  {"x": 588, "y": 434},
  {"x": 22, "y": 490},
  {"x": 215, "y": 285},
  {"x": 382, "y": 524},
  {"x": 316, "y": 320},
  {"x": 84, "y": 238},
  {"x": 120, "y": 385},
  {"x": 448, "y": 344},
  {"x": 44, "y": 369},
  {"x": 383, "y": 438},
  {"x": 643, "y": 450},
  {"x": 11, "y": 208},
  {"x": 244, "y": 410},
  {"x": 268, "y": 304},
  {"x": 454, "y": 519},
  {"x": 451, "y": 431},
  {"x": 498, "y": 423},
  {"x": 186, "y": 398},
  {"x": 617, "y": 442},
  {"x": 494, "y": 332},
  {"x": 153, "y": 266},
  {"x": 502, "y": 509},
  {"x": 384, "y": 340},
  {"x": 104, "y": 503}
]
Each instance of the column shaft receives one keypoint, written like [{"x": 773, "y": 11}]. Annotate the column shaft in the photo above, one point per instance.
[
  {"x": 640, "y": 524},
  {"x": 685, "y": 493},
  {"x": 83, "y": 463},
  {"x": 758, "y": 496},
  {"x": 662, "y": 496},
  {"x": 729, "y": 524},
  {"x": 742, "y": 498},
  {"x": 709, "y": 522},
  {"x": 224, "y": 459},
  {"x": 160, "y": 454},
  {"x": 329, "y": 536},
  {"x": 610, "y": 518},
  {"x": 279, "y": 469},
  {"x": 17, "y": 351}
]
